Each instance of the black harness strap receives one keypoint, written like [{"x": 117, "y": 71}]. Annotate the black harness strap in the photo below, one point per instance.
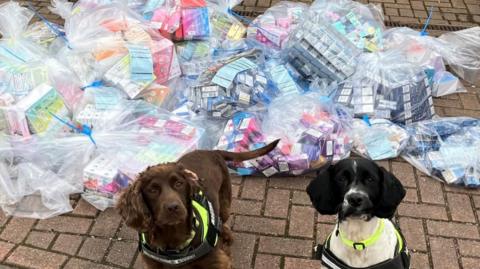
[
  {"x": 188, "y": 254},
  {"x": 400, "y": 261}
]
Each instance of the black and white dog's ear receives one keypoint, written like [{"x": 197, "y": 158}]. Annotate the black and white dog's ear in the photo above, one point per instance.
[
  {"x": 392, "y": 194},
  {"x": 323, "y": 194}
]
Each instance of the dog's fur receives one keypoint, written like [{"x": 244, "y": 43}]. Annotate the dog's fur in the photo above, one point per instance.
[
  {"x": 360, "y": 192},
  {"x": 158, "y": 203}
]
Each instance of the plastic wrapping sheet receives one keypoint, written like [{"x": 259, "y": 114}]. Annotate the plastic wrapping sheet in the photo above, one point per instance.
[
  {"x": 387, "y": 87},
  {"x": 41, "y": 34},
  {"x": 311, "y": 128},
  {"x": 361, "y": 24},
  {"x": 446, "y": 149},
  {"x": 234, "y": 84},
  {"x": 378, "y": 139},
  {"x": 272, "y": 29}
]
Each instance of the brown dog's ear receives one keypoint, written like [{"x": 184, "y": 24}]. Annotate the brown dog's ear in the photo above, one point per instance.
[
  {"x": 191, "y": 178},
  {"x": 133, "y": 209}
]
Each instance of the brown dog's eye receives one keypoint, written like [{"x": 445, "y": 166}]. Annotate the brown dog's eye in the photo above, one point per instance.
[
  {"x": 179, "y": 184},
  {"x": 153, "y": 190}
]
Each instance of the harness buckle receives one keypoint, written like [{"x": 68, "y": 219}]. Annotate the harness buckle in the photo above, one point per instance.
[{"x": 359, "y": 246}]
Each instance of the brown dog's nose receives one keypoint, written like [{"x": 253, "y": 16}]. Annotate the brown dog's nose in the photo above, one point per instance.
[{"x": 172, "y": 207}]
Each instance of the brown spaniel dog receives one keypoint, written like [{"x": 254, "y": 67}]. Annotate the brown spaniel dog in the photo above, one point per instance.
[{"x": 159, "y": 205}]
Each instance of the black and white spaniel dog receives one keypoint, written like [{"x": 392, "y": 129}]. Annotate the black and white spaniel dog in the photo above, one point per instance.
[{"x": 365, "y": 197}]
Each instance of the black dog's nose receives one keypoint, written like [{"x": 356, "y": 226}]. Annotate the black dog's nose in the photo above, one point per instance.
[
  {"x": 355, "y": 199},
  {"x": 172, "y": 207}
]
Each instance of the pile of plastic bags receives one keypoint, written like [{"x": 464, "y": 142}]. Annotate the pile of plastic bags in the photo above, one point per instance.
[{"x": 121, "y": 85}]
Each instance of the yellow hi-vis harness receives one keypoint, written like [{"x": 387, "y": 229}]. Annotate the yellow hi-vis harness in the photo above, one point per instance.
[
  {"x": 401, "y": 260},
  {"x": 209, "y": 227}
]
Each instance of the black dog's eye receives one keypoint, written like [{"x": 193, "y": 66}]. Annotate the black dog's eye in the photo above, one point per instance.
[
  {"x": 369, "y": 180},
  {"x": 342, "y": 179},
  {"x": 179, "y": 184}
]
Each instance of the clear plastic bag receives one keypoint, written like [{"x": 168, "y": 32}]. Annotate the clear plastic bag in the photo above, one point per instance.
[
  {"x": 429, "y": 53},
  {"x": 38, "y": 174},
  {"x": 361, "y": 24},
  {"x": 446, "y": 149},
  {"x": 387, "y": 86},
  {"x": 314, "y": 131},
  {"x": 272, "y": 29},
  {"x": 234, "y": 84},
  {"x": 378, "y": 139},
  {"x": 465, "y": 59},
  {"x": 316, "y": 51}
]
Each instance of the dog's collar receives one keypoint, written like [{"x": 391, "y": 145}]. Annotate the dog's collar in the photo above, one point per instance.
[
  {"x": 208, "y": 229},
  {"x": 364, "y": 243},
  {"x": 401, "y": 260}
]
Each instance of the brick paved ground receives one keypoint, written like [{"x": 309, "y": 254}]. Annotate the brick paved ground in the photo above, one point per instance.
[{"x": 274, "y": 223}]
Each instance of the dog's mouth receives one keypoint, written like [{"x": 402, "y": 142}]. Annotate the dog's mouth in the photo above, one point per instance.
[
  {"x": 347, "y": 211},
  {"x": 171, "y": 219}
]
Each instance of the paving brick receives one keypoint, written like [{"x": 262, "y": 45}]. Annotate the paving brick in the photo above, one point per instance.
[
  {"x": 3, "y": 219},
  {"x": 301, "y": 198},
  {"x": 413, "y": 231},
  {"x": 454, "y": 10},
  {"x": 277, "y": 203},
  {"x": 263, "y": 261},
  {"x": 293, "y": 183},
  {"x": 246, "y": 207},
  {"x": 67, "y": 243},
  {"x": 83, "y": 208},
  {"x": 406, "y": 12},
  {"x": 327, "y": 218},
  {"x": 40, "y": 239},
  {"x": 460, "y": 207},
  {"x": 476, "y": 200},
  {"x": 450, "y": 17},
  {"x": 106, "y": 224},
  {"x": 391, "y": 12},
  {"x": 94, "y": 249},
  {"x": 443, "y": 253},
  {"x": 127, "y": 233},
  {"x": 122, "y": 253},
  {"x": 254, "y": 188},
  {"x": 437, "y": 4},
  {"x": 65, "y": 224},
  {"x": 404, "y": 172},
  {"x": 422, "y": 211},
  {"x": 285, "y": 246},
  {"x": 5, "y": 249},
  {"x": 455, "y": 112},
  {"x": 323, "y": 231},
  {"x": 294, "y": 263},
  {"x": 469, "y": 247},
  {"x": 411, "y": 195},
  {"x": 242, "y": 250},
  {"x": 302, "y": 221},
  {"x": 76, "y": 263},
  {"x": 17, "y": 229},
  {"x": 419, "y": 261},
  {"x": 450, "y": 229},
  {"x": 35, "y": 258},
  {"x": 470, "y": 263},
  {"x": 138, "y": 262},
  {"x": 263, "y": 3},
  {"x": 235, "y": 190},
  {"x": 431, "y": 191},
  {"x": 447, "y": 102},
  {"x": 260, "y": 225},
  {"x": 236, "y": 179},
  {"x": 470, "y": 101},
  {"x": 458, "y": 189},
  {"x": 417, "y": 5}
]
